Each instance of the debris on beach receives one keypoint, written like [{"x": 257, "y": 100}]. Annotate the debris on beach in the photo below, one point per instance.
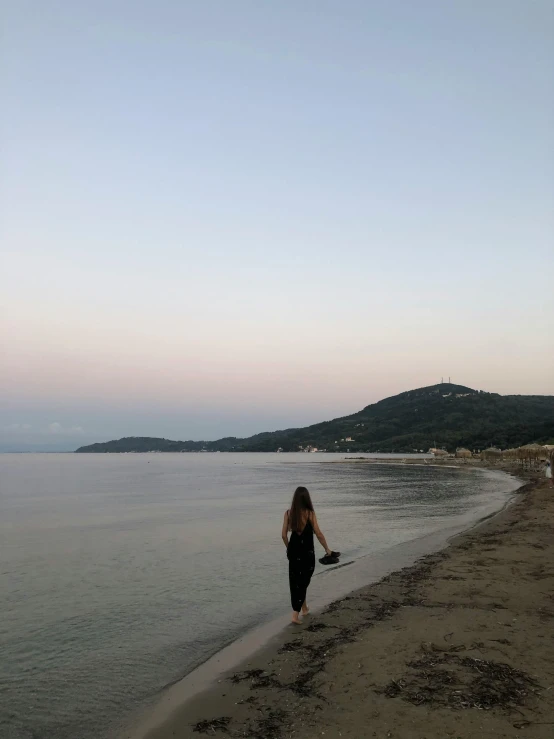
[
  {"x": 383, "y": 610},
  {"x": 212, "y": 725},
  {"x": 268, "y": 727},
  {"x": 251, "y": 699},
  {"x": 336, "y": 605},
  {"x": 239, "y": 677},
  {"x": 258, "y": 678},
  {"x": 468, "y": 683},
  {"x": 319, "y": 626},
  {"x": 303, "y": 684},
  {"x": 292, "y": 646}
]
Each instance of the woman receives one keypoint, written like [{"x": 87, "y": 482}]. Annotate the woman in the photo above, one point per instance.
[
  {"x": 301, "y": 521},
  {"x": 548, "y": 473}
]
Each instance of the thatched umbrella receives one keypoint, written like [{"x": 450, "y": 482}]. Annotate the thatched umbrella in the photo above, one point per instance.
[
  {"x": 530, "y": 453},
  {"x": 462, "y": 453},
  {"x": 531, "y": 448},
  {"x": 492, "y": 453}
]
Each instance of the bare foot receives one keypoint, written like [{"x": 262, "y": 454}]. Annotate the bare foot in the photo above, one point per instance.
[
  {"x": 305, "y": 610},
  {"x": 296, "y": 620}
]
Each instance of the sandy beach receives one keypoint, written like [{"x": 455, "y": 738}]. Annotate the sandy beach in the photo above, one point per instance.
[{"x": 459, "y": 645}]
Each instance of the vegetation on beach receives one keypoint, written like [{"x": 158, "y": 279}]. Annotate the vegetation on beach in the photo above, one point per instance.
[{"x": 444, "y": 415}]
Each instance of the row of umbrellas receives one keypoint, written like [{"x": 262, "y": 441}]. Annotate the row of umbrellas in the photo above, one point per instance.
[{"x": 529, "y": 452}]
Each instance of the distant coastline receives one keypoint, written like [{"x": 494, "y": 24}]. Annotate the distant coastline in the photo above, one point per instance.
[{"x": 444, "y": 416}]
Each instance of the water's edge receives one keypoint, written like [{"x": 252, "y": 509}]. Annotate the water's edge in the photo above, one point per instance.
[{"x": 366, "y": 570}]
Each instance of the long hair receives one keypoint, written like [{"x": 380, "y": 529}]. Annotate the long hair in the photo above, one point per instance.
[{"x": 301, "y": 502}]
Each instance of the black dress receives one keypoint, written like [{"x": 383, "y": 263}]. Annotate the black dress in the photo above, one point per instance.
[{"x": 301, "y": 556}]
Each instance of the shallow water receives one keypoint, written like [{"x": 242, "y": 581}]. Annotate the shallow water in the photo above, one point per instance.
[{"x": 120, "y": 573}]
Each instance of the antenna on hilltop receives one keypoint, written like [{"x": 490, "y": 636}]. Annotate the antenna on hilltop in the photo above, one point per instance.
[{"x": 442, "y": 380}]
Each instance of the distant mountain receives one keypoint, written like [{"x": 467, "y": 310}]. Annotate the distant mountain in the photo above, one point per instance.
[{"x": 444, "y": 415}]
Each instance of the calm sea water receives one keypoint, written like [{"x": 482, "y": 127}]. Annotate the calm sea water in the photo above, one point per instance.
[{"x": 120, "y": 573}]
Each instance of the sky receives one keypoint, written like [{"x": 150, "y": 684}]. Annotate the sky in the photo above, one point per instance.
[{"x": 219, "y": 218}]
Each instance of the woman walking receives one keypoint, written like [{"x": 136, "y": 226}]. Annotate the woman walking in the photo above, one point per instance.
[{"x": 300, "y": 520}]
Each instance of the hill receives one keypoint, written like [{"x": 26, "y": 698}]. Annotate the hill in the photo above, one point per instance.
[{"x": 444, "y": 415}]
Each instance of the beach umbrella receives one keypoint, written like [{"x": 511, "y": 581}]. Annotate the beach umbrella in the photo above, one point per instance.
[
  {"x": 491, "y": 453},
  {"x": 530, "y": 452},
  {"x": 462, "y": 453},
  {"x": 438, "y": 452}
]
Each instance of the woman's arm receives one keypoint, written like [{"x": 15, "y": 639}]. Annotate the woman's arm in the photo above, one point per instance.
[
  {"x": 285, "y": 530},
  {"x": 319, "y": 533}
]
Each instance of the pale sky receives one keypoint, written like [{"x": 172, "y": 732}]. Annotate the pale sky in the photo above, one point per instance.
[{"x": 220, "y": 218}]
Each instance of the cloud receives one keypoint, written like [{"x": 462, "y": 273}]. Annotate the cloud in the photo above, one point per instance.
[
  {"x": 56, "y": 428},
  {"x": 18, "y": 428}
]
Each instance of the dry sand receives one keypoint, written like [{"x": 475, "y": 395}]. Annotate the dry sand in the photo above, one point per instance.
[{"x": 460, "y": 645}]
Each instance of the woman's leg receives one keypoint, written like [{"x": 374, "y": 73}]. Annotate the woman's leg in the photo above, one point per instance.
[
  {"x": 309, "y": 571},
  {"x": 297, "y": 589}
]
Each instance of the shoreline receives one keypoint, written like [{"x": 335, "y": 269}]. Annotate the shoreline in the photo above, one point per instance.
[{"x": 183, "y": 706}]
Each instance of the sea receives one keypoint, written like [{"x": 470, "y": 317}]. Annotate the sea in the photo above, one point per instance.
[{"x": 119, "y": 574}]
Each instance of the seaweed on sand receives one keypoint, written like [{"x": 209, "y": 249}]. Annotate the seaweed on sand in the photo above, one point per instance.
[
  {"x": 318, "y": 626},
  {"x": 471, "y": 683},
  {"x": 239, "y": 677},
  {"x": 337, "y": 604},
  {"x": 292, "y": 646},
  {"x": 212, "y": 725},
  {"x": 320, "y": 654},
  {"x": 303, "y": 684},
  {"x": 268, "y": 727},
  {"x": 258, "y": 678},
  {"x": 417, "y": 573},
  {"x": 384, "y": 610},
  {"x": 252, "y": 699}
]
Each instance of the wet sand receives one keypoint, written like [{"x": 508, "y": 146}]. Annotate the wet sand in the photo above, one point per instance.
[{"x": 459, "y": 645}]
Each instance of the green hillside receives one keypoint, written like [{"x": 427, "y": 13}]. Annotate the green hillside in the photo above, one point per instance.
[{"x": 444, "y": 415}]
